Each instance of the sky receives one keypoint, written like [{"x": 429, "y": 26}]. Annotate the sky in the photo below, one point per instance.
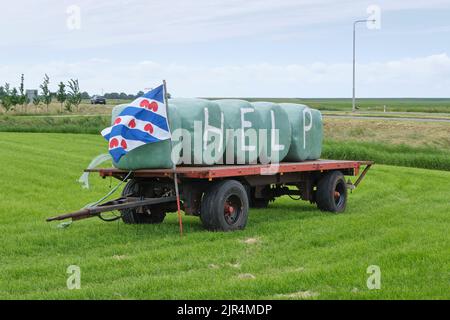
[{"x": 230, "y": 48}]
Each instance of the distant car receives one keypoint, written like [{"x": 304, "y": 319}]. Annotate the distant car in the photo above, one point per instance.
[{"x": 98, "y": 100}]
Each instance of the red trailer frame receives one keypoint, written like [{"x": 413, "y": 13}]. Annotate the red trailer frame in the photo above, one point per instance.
[
  {"x": 228, "y": 171},
  {"x": 222, "y": 194}
]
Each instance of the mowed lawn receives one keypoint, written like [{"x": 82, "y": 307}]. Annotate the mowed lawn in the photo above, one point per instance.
[{"x": 398, "y": 219}]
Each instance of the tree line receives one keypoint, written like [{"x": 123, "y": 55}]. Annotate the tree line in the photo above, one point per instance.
[
  {"x": 68, "y": 95},
  {"x": 123, "y": 95}
]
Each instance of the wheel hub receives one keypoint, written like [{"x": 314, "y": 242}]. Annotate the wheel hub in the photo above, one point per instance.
[
  {"x": 229, "y": 209},
  {"x": 232, "y": 209}
]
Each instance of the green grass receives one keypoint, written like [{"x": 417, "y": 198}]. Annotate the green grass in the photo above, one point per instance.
[
  {"x": 56, "y": 124},
  {"x": 353, "y": 146},
  {"x": 425, "y": 105},
  {"x": 382, "y": 153},
  {"x": 397, "y": 219},
  {"x": 432, "y": 105}
]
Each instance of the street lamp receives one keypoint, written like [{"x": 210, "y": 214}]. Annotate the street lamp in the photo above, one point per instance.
[{"x": 354, "y": 60}]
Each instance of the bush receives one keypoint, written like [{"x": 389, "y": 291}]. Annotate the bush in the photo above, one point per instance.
[
  {"x": 399, "y": 155},
  {"x": 77, "y": 124}
]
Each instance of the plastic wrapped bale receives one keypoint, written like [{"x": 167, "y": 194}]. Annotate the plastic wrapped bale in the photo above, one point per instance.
[
  {"x": 307, "y": 132},
  {"x": 242, "y": 137},
  {"x": 152, "y": 155},
  {"x": 275, "y": 140},
  {"x": 203, "y": 132}
]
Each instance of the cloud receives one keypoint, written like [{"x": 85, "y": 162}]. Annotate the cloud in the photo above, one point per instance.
[
  {"x": 132, "y": 27},
  {"x": 410, "y": 77},
  {"x": 106, "y": 23}
]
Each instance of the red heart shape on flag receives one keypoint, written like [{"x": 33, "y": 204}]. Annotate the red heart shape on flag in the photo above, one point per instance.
[
  {"x": 118, "y": 120},
  {"x": 149, "y": 128},
  {"x": 153, "y": 106},
  {"x": 123, "y": 144},
  {"x": 132, "y": 124},
  {"x": 144, "y": 103},
  {"x": 114, "y": 143}
]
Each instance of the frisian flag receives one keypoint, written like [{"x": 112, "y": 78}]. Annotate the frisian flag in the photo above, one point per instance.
[{"x": 143, "y": 121}]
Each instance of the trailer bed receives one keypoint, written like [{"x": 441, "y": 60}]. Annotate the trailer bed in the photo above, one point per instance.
[
  {"x": 222, "y": 194},
  {"x": 223, "y": 171}
]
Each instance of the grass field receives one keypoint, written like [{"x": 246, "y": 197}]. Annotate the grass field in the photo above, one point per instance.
[
  {"x": 413, "y": 134},
  {"x": 397, "y": 219},
  {"x": 56, "y": 124},
  {"x": 391, "y": 115},
  {"x": 85, "y": 108},
  {"x": 436, "y": 105},
  {"x": 404, "y": 143}
]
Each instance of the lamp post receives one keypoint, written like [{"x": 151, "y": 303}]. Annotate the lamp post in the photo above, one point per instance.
[{"x": 354, "y": 60}]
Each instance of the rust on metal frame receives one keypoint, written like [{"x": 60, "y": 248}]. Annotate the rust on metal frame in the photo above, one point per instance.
[
  {"x": 117, "y": 204},
  {"x": 222, "y": 171},
  {"x": 363, "y": 174}
]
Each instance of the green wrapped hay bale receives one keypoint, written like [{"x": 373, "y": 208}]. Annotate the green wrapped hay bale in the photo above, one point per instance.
[
  {"x": 203, "y": 125},
  {"x": 316, "y": 135},
  {"x": 198, "y": 137},
  {"x": 307, "y": 132},
  {"x": 242, "y": 138},
  {"x": 153, "y": 155},
  {"x": 232, "y": 132},
  {"x": 275, "y": 144}
]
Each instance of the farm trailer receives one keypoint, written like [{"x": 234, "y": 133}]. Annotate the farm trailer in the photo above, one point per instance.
[{"x": 222, "y": 195}]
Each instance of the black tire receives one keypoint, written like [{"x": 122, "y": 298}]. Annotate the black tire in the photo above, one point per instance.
[
  {"x": 144, "y": 215},
  {"x": 331, "y": 192},
  {"x": 225, "y": 207}
]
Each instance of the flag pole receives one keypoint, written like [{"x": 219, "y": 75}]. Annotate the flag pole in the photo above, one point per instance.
[{"x": 175, "y": 175}]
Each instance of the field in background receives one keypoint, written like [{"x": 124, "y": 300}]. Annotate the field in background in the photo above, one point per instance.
[
  {"x": 441, "y": 105},
  {"x": 414, "y": 134},
  {"x": 404, "y": 143},
  {"x": 85, "y": 108},
  {"x": 55, "y": 124},
  {"x": 397, "y": 219}
]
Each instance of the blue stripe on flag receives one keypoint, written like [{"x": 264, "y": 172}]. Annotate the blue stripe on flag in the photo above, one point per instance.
[
  {"x": 117, "y": 154},
  {"x": 156, "y": 94},
  {"x": 146, "y": 115}
]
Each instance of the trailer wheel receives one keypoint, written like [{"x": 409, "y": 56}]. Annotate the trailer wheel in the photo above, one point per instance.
[
  {"x": 225, "y": 207},
  {"x": 332, "y": 192},
  {"x": 143, "y": 215}
]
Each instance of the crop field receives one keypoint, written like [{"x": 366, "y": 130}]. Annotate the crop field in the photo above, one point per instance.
[
  {"x": 405, "y": 105},
  {"x": 404, "y": 143},
  {"x": 441, "y": 105},
  {"x": 85, "y": 108},
  {"x": 55, "y": 124},
  {"x": 397, "y": 219}
]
